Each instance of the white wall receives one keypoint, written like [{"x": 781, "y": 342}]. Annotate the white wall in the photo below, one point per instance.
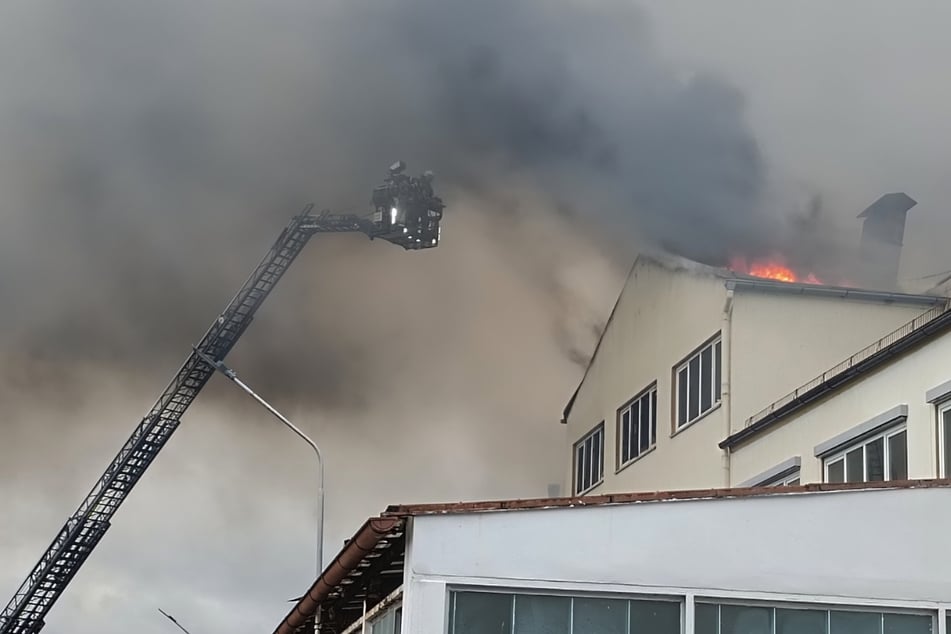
[
  {"x": 661, "y": 317},
  {"x": 780, "y": 341},
  {"x": 882, "y": 547},
  {"x": 903, "y": 381}
]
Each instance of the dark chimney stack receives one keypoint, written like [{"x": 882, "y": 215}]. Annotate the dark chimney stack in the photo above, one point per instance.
[{"x": 882, "y": 235}]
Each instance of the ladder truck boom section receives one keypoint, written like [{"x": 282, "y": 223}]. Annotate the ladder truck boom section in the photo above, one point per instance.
[{"x": 404, "y": 211}]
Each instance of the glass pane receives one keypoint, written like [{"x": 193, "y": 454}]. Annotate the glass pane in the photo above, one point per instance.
[
  {"x": 717, "y": 379},
  {"x": 682, "y": 397},
  {"x": 875, "y": 460},
  {"x": 706, "y": 619},
  {"x": 897, "y": 457},
  {"x": 855, "y": 623},
  {"x": 855, "y": 465},
  {"x": 655, "y": 617},
  {"x": 794, "y": 482},
  {"x": 600, "y": 616},
  {"x": 596, "y": 457},
  {"x": 653, "y": 417},
  {"x": 802, "y": 621},
  {"x": 742, "y": 619},
  {"x": 946, "y": 421},
  {"x": 636, "y": 422},
  {"x": 480, "y": 613},
  {"x": 836, "y": 473},
  {"x": 579, "y": 469},
  {"x": 693, "y": 400},
  {"x": 706, "y": 386},
  {"x": 907, "y": 624},
  {"x": 626, "y": 435},
  {"x": 398, "y": 624},
  {"x": 383, "y": 625},
  {"x": 645, "y": 423},
  {"x": 542, "y": 615}
]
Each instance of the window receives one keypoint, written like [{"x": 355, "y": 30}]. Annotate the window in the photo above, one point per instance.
[
  {"x": 498, "y": 613},
  {"x": 944, "y": 440},
  {"x": 881, "y": 457},
  {"x": 589, "y": 460},
  {"x": 712, "y": 618},
  {"x": 388, "y": 623},
  {"x": 698, "y": 383},
  {"x": 637, "y": 426}
]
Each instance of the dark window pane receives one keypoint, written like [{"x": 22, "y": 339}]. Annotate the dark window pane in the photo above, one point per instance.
[
  {"x": 897, "y": 457},
  {"x": 717, "y": 377},
  {"x": 855, "y": 623},
  {"x": 741, "y": 619},
  {"x": 481, "y": 613},
  {"x": 636, "y": 423},
  {"x": 802, "y": 621},
  {"x": 579, "y": 468},
  {"x": 626, "y": 435},
  {"x": 946, "y": 415},
  {"x": 907, "y": 624},
  {"x": 706, "y": 385},
  {"x": 600, "y": 616},
  {"x": 645, "y": 441},
  {"x": 398, "y": 625},
  {"x": 875, "y": 460},
  {"x": 793, "y": 483},
  {"x": 653, "y": 417},
  {"x": 836, "y": 472},
  {"x": 682, "y": 397},
  {"x": 693, "y": 398},
  {"x": 542, "y": 615},
  {"x": 706, "y": 619},
  {"x": 654, "y": 617},
  {"x": 855, "y": 465},
  {"x": 596, "y": 458}
]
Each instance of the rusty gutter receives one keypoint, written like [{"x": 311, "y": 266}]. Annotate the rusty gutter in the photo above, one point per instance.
[{"x": 362, "y": 543}]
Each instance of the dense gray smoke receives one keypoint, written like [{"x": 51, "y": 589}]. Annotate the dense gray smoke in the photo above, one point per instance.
[{"x": 152, "y": 151}]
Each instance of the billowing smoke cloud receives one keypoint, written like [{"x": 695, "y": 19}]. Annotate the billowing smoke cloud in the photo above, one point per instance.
[{"x": 151, "y": 152}]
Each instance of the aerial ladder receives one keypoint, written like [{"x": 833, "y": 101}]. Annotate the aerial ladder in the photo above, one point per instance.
[{"x": 404, "y": 211}]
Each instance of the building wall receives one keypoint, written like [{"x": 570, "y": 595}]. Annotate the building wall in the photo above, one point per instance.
[
  {"x": 661, "y": 316},
  {"x": 811, "y": 548},
  {"x": 776, "y": 342},
  {"x": 903, "y": 381},
  {"x": 780, "y": 342}
]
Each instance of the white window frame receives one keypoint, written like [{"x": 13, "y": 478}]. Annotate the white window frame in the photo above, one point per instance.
[
  {"x": 581, "y": 452},
  {"x": 624, "y": 428},
  {"x": 885, "y": 436},
  {"x": 714, "y": 345},
  {"x": 789, "y": 480},
  {"x": 944, "y": 460}
]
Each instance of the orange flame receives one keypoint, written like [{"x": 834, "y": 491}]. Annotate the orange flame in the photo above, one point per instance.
[{"x": 773, "y": 269}]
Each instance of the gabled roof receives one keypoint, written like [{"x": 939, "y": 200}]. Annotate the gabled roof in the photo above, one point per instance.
[{"x": 739, "y": 281}]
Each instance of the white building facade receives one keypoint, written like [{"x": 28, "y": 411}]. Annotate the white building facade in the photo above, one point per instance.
[
  {"x": 692, "y": 354},
  {"x": 841, "y": 560}
]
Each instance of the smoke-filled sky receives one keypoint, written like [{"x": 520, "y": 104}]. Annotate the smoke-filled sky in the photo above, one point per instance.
[{"x": 152, "y": 151}]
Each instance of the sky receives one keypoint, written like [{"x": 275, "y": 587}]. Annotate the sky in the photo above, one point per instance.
[{"x": 150, "y": 154}]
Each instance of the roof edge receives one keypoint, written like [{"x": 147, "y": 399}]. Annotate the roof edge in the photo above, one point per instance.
[
  {"x": 363, "y": 542},
  {"x": 840, "y": 292},
  {"x": 414, "y": 510}
]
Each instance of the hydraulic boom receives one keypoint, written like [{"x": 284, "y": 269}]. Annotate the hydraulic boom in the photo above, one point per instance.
[{"x": 406, "y": 213}]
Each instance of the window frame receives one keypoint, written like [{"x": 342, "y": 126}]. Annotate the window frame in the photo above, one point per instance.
[
  {"x": 839, "y": 455},
  {"x": 714, "y": 344},
  {"x": 649, "y": 393},
  {"x": 791, "y": 479},
  {"x": 594, "y": 431},
  {"x": 944, "y": 427}
]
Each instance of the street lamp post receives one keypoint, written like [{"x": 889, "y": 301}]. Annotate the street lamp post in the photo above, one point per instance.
[
  {"x": 233, "y": 376},
  {"x": 172, "y": 619}
]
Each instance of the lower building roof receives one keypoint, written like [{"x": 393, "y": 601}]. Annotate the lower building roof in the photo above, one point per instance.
[{"x": 370, "y": 566}]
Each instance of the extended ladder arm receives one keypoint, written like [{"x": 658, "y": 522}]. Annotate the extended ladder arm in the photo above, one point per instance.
[{"x": 26, "y": 612}]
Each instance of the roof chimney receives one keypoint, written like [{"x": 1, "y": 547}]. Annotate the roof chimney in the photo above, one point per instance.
[{"x": 882, "y": 235}]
